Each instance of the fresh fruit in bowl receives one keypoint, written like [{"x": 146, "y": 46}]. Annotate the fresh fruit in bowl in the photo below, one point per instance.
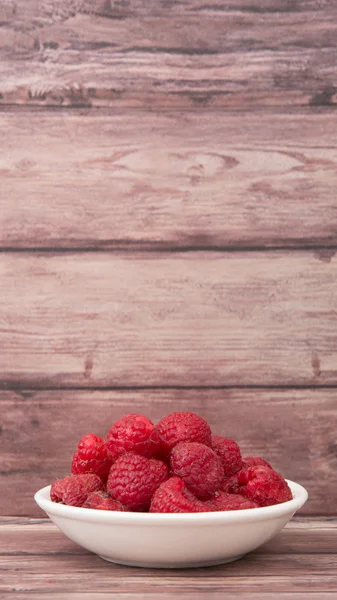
[{"x": 159, "y": 495}]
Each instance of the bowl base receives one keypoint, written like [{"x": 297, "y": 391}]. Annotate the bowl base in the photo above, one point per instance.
[{"x": 165, "y": 565}]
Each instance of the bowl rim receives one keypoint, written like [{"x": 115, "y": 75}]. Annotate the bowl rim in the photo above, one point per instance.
[{"x": 265, "y": 513}]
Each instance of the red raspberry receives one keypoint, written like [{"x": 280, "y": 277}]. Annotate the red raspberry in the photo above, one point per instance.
[
  {"x": 229, "y": 453},
  {"x": 231, "y": 484},
  {"x": 182, "y": 427},
  {"x": 172, "y": 496},
  {"x": 102, "y": 501},
  {"x": 133, "y": 479},
  {"x": 254, "y": 461},
  {"x": 92, "y": 456},
  {"x": 224, "y": 501},
  {"x": 133, "y": 433},
  {"x": 198, "y": 466},
  {"x": 261, "y": 484},
  {"x": 75, "y": 489}
]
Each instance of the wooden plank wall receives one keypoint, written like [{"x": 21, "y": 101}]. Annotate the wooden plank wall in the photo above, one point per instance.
[{"x": 168, "y": 229}]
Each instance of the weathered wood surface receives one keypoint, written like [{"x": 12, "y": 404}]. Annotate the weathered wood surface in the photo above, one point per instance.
[
  {"x": 172, "y": 319},
  {"x": 294, "y": 429},
  {"x": 172, "y": 54},
  {"x": 27, "y": 535},
  {"x": 299, "y": 563},
  {"x": 229, "y": 172},
  {"x": 174, "y": 179}
]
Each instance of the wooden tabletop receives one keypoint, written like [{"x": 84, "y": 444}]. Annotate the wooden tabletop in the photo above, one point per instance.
[{"x": 38, "y": 561}]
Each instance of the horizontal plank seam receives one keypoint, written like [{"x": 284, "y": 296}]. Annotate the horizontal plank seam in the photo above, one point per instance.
[
  {"x": 20, "y": 386},
  {"x": 163, "y": 248},
  {"x": 130, "y": 13},
  {"x": 302, "y": 552},
  {"x": 300, "y": 109},
  {"x": 124, "y": 593},
  {"x": 197, "y": 51},
  {"x": 34, "y": 594}
]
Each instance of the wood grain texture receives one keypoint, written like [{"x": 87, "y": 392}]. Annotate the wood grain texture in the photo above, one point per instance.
[
  {"x": 168, "y": 180},
  {"x": 294, "y": 429},
  {"x": 174, "y": 319},
  {"x": 27, "y": 536},
  {"x": 172, "y": 54},
  {"x": 291, "y": 566},
  {"x": 45, "y": 559},
  {"x": 307, "y": 595}
]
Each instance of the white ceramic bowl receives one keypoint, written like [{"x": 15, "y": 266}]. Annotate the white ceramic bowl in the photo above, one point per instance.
[{"x": 171, "y": 540}]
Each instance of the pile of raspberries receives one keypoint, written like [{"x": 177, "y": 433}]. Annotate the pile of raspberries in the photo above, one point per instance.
[{"x": 176, "y": 466}]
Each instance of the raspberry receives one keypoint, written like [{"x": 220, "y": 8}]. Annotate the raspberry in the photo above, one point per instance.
[
  {"x": 261, "y": 484},
  {"x": 133, "y": 433},
  {"x": 102, "y": 501},
  {"x": 182, "y": 427},
  {"x": 231, "y": 484},
  {"x": 91, "y": 456},
  {"x": 254, "y": 461},
  {"x": 229, "y": 454},
  {"x": 198, "y": 466},
  {"x": 75, "y": 489},
  {"x": 133, "y": 479},
  {"x": 223, "y": 501},
  {"x": 172, "y": 496}
]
